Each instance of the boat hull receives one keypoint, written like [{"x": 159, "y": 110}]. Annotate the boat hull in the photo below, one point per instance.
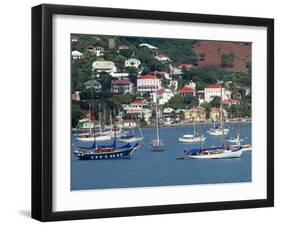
[
  {"x": 218, "y": 132},
  {"x": 127, "y": 153},
  {"x": 193, "y": 140},
  {"x": 131, "y": 140},
  {"x": 225, "y": 154},
  {"x": 97, "y": 138}
]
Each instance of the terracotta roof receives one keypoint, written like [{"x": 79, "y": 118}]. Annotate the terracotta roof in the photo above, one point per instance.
[
  {"x": 186, "y": 90},
  {"x": 214, "y": 86},
  {"x": 185, "y": 65},
  {"x": 215, "y": 110},
  {"x": 138, "y": 102},
  {"x": 148, "y": 77},
  {"x": 121, "y": 81}
]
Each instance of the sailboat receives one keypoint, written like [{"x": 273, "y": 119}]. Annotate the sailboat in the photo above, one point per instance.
[
  {"x": 130, "y": 137},
  {"x": 94, "y": 136},
  {"x": 191, "y": 138},
  {"x": 237, "y": 140},
  {"x": 157, "y": 144},
  {"x": 217, "y": 130},
  {"x": 220, "y": 152},
  {"x": 104, "y": 152}
]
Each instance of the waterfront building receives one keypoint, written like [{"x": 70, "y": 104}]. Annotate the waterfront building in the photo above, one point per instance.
[
  {"x": 139, "y": 108},
  {"x": 86, "y": 123},
  {"x": 122, "y": 86},
  {"x": 132, "y": 62},
  {"x": 215, "y": 114},
  {"x": 148, "y": 84},
  {"x": 76, "y": 55},
  {"x": 128, "y": 123},
  {"x": 212, "y": 91},
  {"x": 103, "y": 66},
  {"x": 196, "y": 114}
]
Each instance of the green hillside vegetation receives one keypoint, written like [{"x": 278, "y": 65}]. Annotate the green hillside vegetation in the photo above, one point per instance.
[{"x": 179, "y": 51}]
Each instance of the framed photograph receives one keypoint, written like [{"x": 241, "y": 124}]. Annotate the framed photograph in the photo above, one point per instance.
[{"x": 146, "y": 112}]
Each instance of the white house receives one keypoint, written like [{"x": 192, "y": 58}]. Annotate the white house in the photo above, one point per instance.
[
  {"x": 127, "y": 123},
  {"x": 162, "y": 58},
  {"x": 132, "y": 62},
  {"x": 162, "y": 74},
  {"x": 140, "y": 108},
  {"x": 97, "y": 50},
  {"x": 93, "y": 84},
  {"x": 163, "y": 96},
  {"x": 122, "y": 86},
  {"x": 104, "y": 66},
  {"x": 216, "y": 90},
  {"x": 148, "y": 84},
  {"x": 76, "y": 55},
  {"x": 119, "y": 75}
]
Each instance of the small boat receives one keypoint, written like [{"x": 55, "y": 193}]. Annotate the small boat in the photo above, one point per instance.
[
  {"x": 217, "y": 131},
  {"x": 157, "y": 145},
  {"x": 234, "y": 140},
  {"x": 189, "y": 138},
  {"x": 107, "y": 152},
  {"x": 215, "y": 153}
]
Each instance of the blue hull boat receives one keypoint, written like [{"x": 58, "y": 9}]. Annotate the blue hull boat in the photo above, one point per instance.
[{"x": 104, "y": 153}]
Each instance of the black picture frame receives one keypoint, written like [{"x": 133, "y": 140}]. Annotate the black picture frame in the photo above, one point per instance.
[{"x": 42, "y": 108}]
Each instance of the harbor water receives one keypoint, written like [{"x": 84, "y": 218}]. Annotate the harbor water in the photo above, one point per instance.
[{"x": 146, "y": 168}]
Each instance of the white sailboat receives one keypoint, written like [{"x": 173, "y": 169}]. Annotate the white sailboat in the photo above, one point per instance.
[
  {"x": 191, "y": 138},
  {"x": 157, "y": 144},
  {"x": 131, "y": 138},
  {"x": 218, "y": 131},
  {"x": 93, "y": 136},
  {"x": 237, "y": 140},
  {"x": 220, "y": 152}
]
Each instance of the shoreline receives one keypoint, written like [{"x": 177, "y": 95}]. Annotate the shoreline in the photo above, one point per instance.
[
  {"x": 170, "y": 125},
  {"x": 190, "y": 124}
]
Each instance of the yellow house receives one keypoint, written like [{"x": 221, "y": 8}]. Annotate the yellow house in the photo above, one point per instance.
[
  {"x": 215, "y": 114},
  {"x": 196, "y": 114}
]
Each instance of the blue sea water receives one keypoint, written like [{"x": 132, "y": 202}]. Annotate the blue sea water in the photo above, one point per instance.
[{"x": 147, "y": 168}]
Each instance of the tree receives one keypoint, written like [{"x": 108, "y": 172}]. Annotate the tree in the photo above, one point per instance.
[
  {"x": 207, "y": 108},
  {"x": 216, "y": 102},
  {"x": 176, "y": 102},
  {"x": 190, "y": 101},
  {"x": 76, "y": 114}
]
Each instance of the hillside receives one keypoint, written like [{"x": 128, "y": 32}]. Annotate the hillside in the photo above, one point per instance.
[{"x": 230, "y": 56}]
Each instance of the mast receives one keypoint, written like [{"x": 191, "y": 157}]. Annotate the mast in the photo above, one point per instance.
[
  {"x": 90, "y": 106},
  {"x": 114, "y": 114},
  {"x": 157, "y": 127},
  {"x": 194, "y": 130},
  {"x": 100, "y": 119},
  {"x": 201, "y": 132},
  {"x": 222, "y": 124},
  {"x": 238, "y": 128}
]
